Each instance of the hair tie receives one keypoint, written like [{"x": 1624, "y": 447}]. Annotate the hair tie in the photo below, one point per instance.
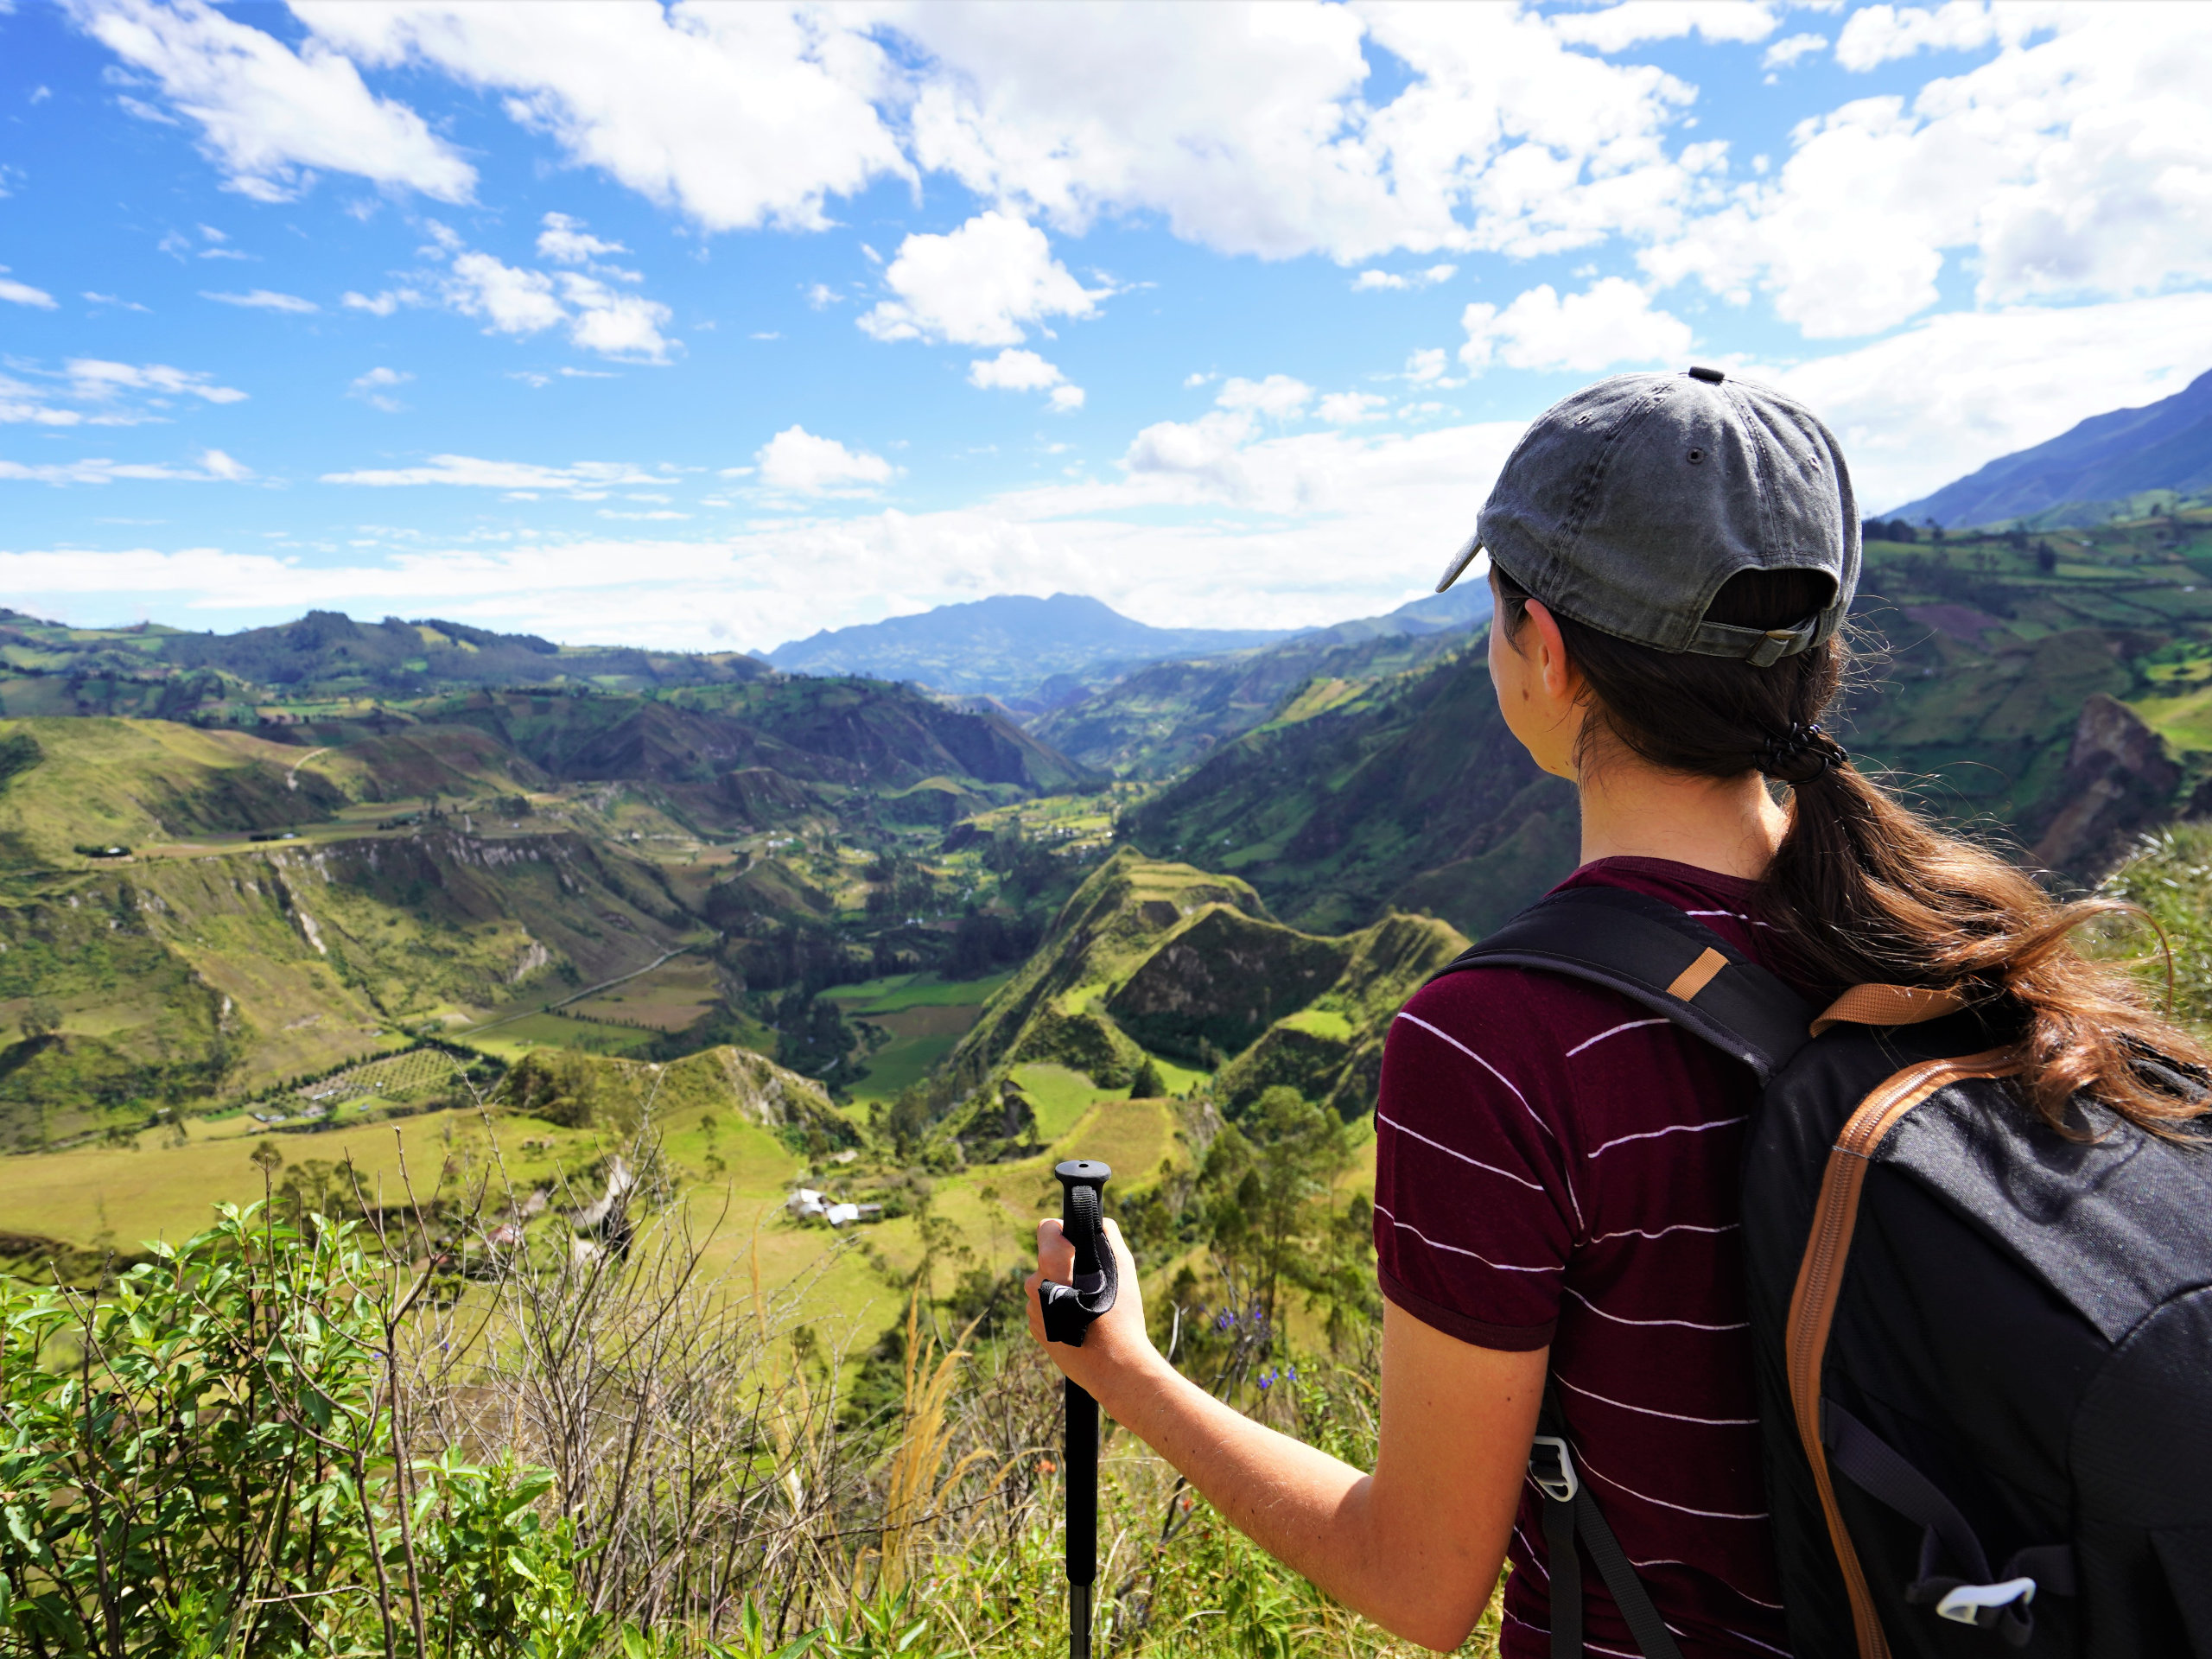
[{"x": 1802, "y": 753}]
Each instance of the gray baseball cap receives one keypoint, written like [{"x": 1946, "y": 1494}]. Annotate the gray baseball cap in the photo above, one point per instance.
[{"x": 1629, "y": 505}]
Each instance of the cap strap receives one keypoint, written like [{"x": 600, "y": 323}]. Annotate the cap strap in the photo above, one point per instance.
[{"x": 1760, "y": 647}]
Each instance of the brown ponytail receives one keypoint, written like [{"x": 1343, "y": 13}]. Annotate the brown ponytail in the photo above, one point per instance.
[{"x": 1863, "y": 889}]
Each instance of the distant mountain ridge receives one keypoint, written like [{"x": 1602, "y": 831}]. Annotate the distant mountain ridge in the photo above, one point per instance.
[
  {"x": 1005, "y": 645},
  {"x": 1035, "y": 655},
  {"x": 2085, "y": 475}
]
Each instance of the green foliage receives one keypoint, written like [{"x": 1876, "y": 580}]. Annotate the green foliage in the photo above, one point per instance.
[
  {"x": 2170, "y": 875},
  {"x": 1146, "y": 1084},
  {"x": 206, "y": 1461}
]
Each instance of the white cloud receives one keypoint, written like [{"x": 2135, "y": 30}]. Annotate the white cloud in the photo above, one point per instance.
[
  {"x": 214, "y": 467},
  {"x": 1124, "y": 540},
  {"x": 615, "y": 324},
  {"x": 1425, "y": 365},
  {"x": 1874, "y": 35},
  {"x": 796, "y": 459},
  {"x": 740, "y": 116},
  {"x": 1784, "y": 52},
  {"x": 17, "y": 293},
  {"x": 264, "y": 299},
  {"x": 1014, "y": 371},
  {"x": 470, "y": 472},
  {"x": 978, "y": 286},
  {"x": 92, "y": 391},
  {"x": 1351, "y": 408},
  {"x": 1211, "y": 451},
  {"x": 1279, "y": 397},
  {"x": 2073, "y": 162},
  {"x": 1018, "y": 370},
  {"x": 1504, "y": 136},
  {"x": 511, "y": 299},
  {"x": 1937, "y": 400},
  {"x": 1612, "y": 322},
  {"x": 821, "y": 296},
  {"x": 267, "y": 115},
  {"x": 374, "y": 388},
  {"x": 565, "y": 241},
  {"x": 380, "y": 305},
  {"x": 1618, "y": 28},
  {"x": 114, "y": 300},
  {"x": 1369, "y": 282},
  {"x": 95, "y": 377}
]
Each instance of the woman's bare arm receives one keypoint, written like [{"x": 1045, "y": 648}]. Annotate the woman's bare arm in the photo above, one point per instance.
[{"x": 1416, "y": 1545}]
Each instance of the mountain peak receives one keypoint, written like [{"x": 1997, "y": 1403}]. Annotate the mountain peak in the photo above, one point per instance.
[
  {"x": 1005, "y": 645},
  {"x": 2086, "y": 474}
]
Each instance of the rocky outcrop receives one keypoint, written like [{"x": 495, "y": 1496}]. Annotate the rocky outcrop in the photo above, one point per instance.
[{"x": 2119, "y": 781}]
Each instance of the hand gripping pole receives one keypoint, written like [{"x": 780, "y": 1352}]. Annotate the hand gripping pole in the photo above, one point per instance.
[{"x": 1069, "y": 1310}]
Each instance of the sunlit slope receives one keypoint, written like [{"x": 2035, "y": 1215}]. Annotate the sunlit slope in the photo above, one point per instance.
[
  {"x": 1408, "y": 794},
  {"x": 74, "y": 782},
  {"x": 180, "y": 978},
  {"x": 1167, "y": 960},
  {"x": 1171, "y": 714}
]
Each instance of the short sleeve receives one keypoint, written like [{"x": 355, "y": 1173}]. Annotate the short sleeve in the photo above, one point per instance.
[{"x": 1475, "y": 1214}]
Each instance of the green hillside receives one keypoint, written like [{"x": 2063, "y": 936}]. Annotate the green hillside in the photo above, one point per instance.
[
  {"x": 323, "y": 658},
  {"x": 1152, "y": 961},
  {"x": 2056, "y": 690},
  {"x": 1165, "y": 717}
]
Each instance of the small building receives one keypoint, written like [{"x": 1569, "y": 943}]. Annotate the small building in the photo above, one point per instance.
[{"x": 806, "y": 1203}]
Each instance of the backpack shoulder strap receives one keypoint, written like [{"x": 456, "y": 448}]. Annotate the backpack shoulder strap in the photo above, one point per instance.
[{"x": 1653, "y": 954}]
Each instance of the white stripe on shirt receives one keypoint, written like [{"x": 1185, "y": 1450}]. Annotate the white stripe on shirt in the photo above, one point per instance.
[
  {"x": 1582, "y": 1463},
  {"x": 1678, "y": 1227},
  {"x": 1565, "y": 1175},
  {"x": 1434, "y": 1244},
  {"x": 1633, "y": 1025},
  {"x": 1618, "y": 1319},
  {"x": 1534, "y": 1186},
  {"x": 1672, "y": 1129},
  {"x": 1650, "y": 1411}
]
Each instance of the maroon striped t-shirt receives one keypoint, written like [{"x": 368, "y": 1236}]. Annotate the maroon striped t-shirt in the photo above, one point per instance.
[{"x": 1556, "y": 1166}]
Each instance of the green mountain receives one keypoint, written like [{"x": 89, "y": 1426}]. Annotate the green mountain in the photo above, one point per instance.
[
  {"x": 191, "y": 912},
  {"x": 1155, "y": 957},
  {"x": 2057, "y": 689},
  {"x": 1161, "y": 719},
  {"x": 2110, "y": 465},
  {"x": 324, "y": 658}
]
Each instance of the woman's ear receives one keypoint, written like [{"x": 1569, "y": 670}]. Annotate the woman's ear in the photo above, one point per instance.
[{"x": 1562, "y": 681}]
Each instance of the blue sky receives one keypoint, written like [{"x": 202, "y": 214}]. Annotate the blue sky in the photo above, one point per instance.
[{"x": 711, "y": 325}]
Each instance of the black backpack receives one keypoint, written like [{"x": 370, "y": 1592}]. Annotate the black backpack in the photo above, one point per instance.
[{"x": 1984, "y": 1349}]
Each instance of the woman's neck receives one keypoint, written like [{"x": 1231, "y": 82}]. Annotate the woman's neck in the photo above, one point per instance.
[{"x": 1731, "y": 825}]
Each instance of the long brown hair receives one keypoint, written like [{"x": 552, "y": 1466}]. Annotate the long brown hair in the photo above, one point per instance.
[{"x": 1863, "y": 889}]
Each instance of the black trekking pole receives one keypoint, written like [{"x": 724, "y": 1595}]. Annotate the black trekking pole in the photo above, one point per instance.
[{"x": 1069, "y": 1310}]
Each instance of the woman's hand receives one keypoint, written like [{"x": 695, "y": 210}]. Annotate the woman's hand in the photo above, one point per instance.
[{"x": 1117, "y": 1351}]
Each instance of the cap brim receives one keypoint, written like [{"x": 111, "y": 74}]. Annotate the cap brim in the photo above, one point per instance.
[{"x": 1466, "y": 555}]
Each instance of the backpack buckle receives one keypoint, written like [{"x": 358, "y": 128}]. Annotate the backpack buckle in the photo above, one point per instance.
[
  {"x": 1552, "y": 1469},
  {"x": 1985, "y": 1605}
]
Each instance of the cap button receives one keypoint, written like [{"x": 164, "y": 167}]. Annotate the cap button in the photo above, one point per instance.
[{"x": 1712, "y": 376}]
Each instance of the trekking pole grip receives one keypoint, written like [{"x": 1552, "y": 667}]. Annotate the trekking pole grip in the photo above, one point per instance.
[{"x": 1069, "y": 1309}]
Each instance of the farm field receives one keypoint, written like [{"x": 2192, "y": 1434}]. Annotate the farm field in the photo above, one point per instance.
[{"x": 925, "y": 1015}]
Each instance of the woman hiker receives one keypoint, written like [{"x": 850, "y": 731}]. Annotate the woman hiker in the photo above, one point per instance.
[{"x": 1557, "y": 1169}]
